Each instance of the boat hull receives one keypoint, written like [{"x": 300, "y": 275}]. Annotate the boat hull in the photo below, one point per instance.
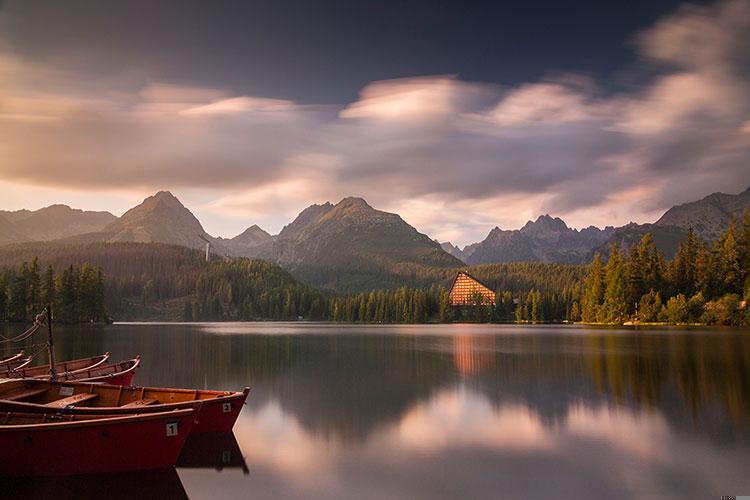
[
  {"x": 216, "y": 414},
  {"x": 140, "y": 442},
  {"x": 121, "y": 373},
  {"x": 63, "y": 367}
]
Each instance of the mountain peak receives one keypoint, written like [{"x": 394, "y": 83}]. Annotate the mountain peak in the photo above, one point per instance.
[
  {"x": 546, "y": 222},
  {"x": 353, "y": 201},
  {"x": 708, "y": 217},
  {"x": 252, "y": 236}
]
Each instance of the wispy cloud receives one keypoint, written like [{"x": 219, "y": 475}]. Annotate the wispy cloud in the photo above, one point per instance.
[{"x": 425, "y": 146}]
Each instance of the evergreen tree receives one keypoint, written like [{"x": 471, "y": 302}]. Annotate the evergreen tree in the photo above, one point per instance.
[
  {"x": 593, "y": 296},
  {"x": 614, "y": 309},
  {"x": 48, "y": 287},
  {"x": 3, "y": 297}
]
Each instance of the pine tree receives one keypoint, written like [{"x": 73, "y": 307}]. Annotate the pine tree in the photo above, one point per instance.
[
  {"x": 33, "y": 283},
  {"x": 593, "y": 291},
  {"x": 19, "y": 295},
  {"x": 636, "y": 282},
  {"x": 48, "y": 287},
  {"x": 614, "y": 309},
  {"x": 3, "y": 297}
]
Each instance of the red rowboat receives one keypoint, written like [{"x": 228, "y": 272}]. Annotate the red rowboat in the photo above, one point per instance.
[
  {"x": 121, "y": 373},
  {"x": 218, "y": 412},
  {"x": 45, "y": 445},
  {"x": 9, "y": 359},
  {"x": 73, "y": 366},
  {"x": 9, "y": 370}
]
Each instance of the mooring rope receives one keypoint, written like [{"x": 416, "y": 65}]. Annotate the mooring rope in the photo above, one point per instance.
[{"x": 38, "y": 322}]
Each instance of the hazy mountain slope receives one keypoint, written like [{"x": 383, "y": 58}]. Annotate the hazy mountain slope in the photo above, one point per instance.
[
  {"x": 351, "y": 245},
  {"x": 58, "y": 221},
  {"x": 545, "y": 240},
  {"x": 666, "y": 238},
  {"x": 9, "y": 233},
  {"x": 161, "y": 218},
  {"x": 710, "y": 216}
]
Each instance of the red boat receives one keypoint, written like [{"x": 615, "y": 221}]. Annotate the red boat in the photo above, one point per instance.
[
  {"x": 121, "y": 373},
  {"x": 48, "y": 445},
  {"x": 218, "y": 413},
  {"x": 10, "y": 359},
  {"x": 73, "y": 366}
]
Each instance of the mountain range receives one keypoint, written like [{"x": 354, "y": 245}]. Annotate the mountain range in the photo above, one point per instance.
[
  {"x": 351, "y": 245},
  {"x": 549, "y": 239},
  {"x": 50, "y": 223}
]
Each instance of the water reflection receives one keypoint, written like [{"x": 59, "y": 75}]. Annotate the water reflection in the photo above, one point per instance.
[
  {"x": 126, "y": 485},
  {"x": 457, "y": 411}
]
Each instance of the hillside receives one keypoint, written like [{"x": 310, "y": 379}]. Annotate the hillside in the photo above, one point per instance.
[
  {"x": 9, "y": 233},
  {"x": 666, "y": 238},
  {"x": 50, "y": 223},
  {"x": 545, "y": 240},
  {"x": 352, "y": 246},
  {"x": 710, "y": 216},
  {"x": 161, "y": 218}
]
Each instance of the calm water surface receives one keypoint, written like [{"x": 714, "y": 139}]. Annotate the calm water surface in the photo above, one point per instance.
[{"x": 449, "y": 411}]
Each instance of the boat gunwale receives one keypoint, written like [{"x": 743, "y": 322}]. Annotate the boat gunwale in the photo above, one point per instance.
[
  {"x": 91, "y": 387},
  {"x": 94, "y": 421},
  {"x": 104, "y": 357},
  {"x": 135, "y": 363},
  {"x": 10, "y": 359}
]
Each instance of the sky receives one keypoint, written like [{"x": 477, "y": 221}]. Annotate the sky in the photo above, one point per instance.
[{"x": 460, "y": 116}]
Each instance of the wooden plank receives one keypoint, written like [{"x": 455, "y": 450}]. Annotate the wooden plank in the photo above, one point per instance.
[
  {"x": 140, "y": 402},
  {"x": 24, "y": 394},
  {"x": 72, "y": 400}
]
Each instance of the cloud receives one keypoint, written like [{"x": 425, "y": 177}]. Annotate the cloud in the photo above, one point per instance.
[{"x": 426, "y": 146}]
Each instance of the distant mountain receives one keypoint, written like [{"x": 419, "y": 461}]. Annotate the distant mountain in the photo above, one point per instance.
[
  {"x": 547, "y": 239},
  {"x": 351, "y": 245},
  {"x": 250, "y": 237},
  {"x": 52, "y": 223},
  {"x": 666, "y": 238},
  {"x": 710, "y": 216},
  {"x": 9, "y": 233},
  {"x": 161, "y": 218}
]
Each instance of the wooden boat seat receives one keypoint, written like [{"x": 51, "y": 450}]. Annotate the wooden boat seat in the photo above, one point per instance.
[
  {"x": 23, "y": 394},
  {"x": 140, "y": 402},
  {"x": 72, "y": 400}
]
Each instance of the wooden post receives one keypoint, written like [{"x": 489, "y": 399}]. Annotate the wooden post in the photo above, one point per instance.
[{"x": 50, "y": 345}]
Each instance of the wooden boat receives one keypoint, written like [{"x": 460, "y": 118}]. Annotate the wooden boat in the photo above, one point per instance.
[
  {"x": 218, "y": 412},
  {"x": 10, "y": 370},
  {"x": 73, "y": 366},
  {"x": 121, "y": 373},
  {"x": 47, "y": 445},
  {"x": 10, "y": 359}
]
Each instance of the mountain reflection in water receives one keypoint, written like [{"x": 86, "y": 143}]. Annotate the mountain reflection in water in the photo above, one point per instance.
[{"x": 459, "y": 411}]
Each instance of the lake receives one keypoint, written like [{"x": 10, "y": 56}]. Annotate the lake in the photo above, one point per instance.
[{"x": 445, "y": 411}]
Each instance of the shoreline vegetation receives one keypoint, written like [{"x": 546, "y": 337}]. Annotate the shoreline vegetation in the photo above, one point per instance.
[{"x": 701, "y": 285}]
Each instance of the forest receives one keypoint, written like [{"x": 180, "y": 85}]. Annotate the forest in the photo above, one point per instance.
[
  {"x": 76, "y": 294},
  {"x": 701, "y": 284},
  {"x": 135, "y": 281}
]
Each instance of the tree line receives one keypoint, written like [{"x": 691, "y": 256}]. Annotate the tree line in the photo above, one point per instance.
[
  {"x": 76, "y": 294},
  {"x": 701, "y": 284}
]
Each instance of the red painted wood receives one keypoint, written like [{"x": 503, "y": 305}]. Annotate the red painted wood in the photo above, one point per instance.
[
  {"x": 211, "y": 416},
  {"x": 115, "y": 444}
]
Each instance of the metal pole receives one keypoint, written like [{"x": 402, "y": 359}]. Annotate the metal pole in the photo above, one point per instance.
[{"x": 50, "y": 344}]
